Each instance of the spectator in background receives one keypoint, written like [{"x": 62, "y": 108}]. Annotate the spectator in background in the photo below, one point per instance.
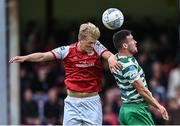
[
  {"x": 31, "y": 40},
  {"x": 109, "y": 116},
  {"x": 50, "y": 44},
  {"x": 178, "y": 94},
  {"x": 52, "y": 108},
  {"x": 174, "y": 112},
  {"x": 30, "y": 115},
  {"x": 42, "y": 85},
  {"x": 111, "y": 106},
  {"x": 25, "y": 81},
  {"x": 174, "y": 79},
  {"x": 156, "y": 82},
  {"x": 145, "y": 63}
]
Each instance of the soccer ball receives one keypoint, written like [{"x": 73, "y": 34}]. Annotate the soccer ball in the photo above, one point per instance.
[{"x": 112, "y": 18}]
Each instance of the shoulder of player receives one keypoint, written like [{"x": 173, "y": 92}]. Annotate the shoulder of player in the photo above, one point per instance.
[
  {"x": 128, "y": 65},
  {"x": 73, "y": 45},
  {"x": 125, "y": 61}
]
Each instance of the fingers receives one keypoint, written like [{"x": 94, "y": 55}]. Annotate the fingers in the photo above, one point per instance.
[
  {"x": 118, "y": 66},
  {"x": 165, "y": 115},
  {"x": 11, "y": 60},
  {"x": 14, "y": 59},
  {"x": 114, "y": 70}
]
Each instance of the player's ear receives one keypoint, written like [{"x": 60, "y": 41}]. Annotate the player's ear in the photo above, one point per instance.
[{"x": 125, "y": 45}]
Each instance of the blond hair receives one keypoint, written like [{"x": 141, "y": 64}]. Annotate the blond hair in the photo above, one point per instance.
[{"x": 88, "y": 30}]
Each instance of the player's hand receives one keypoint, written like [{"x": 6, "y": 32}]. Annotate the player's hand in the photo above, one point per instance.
[
  {"x": 17, "y": 59},
  {"x": 163, "y": 112},
  {"x": 114, "y": 65}
]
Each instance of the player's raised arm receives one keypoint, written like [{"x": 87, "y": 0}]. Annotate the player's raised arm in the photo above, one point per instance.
[
  {"x": 113, "y": 63},
  {"x": 107, "y": 55},
  {"x": 146, "y": 94},
  {"x": 34, "y": 57},
  {"x": 58, "y": 53}
]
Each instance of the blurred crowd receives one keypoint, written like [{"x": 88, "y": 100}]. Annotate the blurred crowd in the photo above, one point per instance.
[{"x": 42, "y": 84}]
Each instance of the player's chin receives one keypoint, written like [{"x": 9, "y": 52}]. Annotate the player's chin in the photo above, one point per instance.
[{"x": 135, "y": 51}]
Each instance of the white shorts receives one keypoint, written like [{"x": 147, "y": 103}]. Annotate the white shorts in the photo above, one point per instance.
[{"x": 82, "y": 111}]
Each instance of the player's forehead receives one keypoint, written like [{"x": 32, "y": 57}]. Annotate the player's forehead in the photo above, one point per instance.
[{"x": 90, "y": 39}]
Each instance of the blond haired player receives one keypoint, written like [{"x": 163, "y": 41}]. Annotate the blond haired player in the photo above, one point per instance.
[{"x": 83, "y": 74}]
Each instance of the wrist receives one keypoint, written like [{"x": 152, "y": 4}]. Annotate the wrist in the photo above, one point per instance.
[
  {"x": 106, "y": 55},
  {"x": 24, "y": 58},
  {"x": 110, "y": 55}
]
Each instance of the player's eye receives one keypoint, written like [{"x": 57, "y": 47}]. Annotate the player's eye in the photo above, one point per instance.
[{"x": 92, "y": 43}]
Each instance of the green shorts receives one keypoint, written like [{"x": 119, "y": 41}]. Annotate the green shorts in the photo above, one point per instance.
[{"x": 135, "y": 114}]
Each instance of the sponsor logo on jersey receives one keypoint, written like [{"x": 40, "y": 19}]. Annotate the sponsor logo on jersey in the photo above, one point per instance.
[
  {"x": 132, "y": 72},
  {"x": 84, "y": 64}
]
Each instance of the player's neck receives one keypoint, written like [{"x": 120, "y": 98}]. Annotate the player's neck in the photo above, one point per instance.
[{"x": 124, "y": 53}]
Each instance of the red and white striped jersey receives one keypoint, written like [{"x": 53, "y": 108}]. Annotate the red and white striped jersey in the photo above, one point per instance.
[{"x": 83, "y": 70}]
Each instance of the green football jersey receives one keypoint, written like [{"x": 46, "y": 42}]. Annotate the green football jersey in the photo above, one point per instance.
[{"x": 130, "y": 72}]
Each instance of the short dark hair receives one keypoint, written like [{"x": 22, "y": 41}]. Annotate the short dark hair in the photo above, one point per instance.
[{"x": 120, "y": 37}]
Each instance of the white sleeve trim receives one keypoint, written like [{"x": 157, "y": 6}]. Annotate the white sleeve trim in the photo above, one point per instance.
[
  {"x": 99, "y": 48},
  {"x": 61, "y": 52}
]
